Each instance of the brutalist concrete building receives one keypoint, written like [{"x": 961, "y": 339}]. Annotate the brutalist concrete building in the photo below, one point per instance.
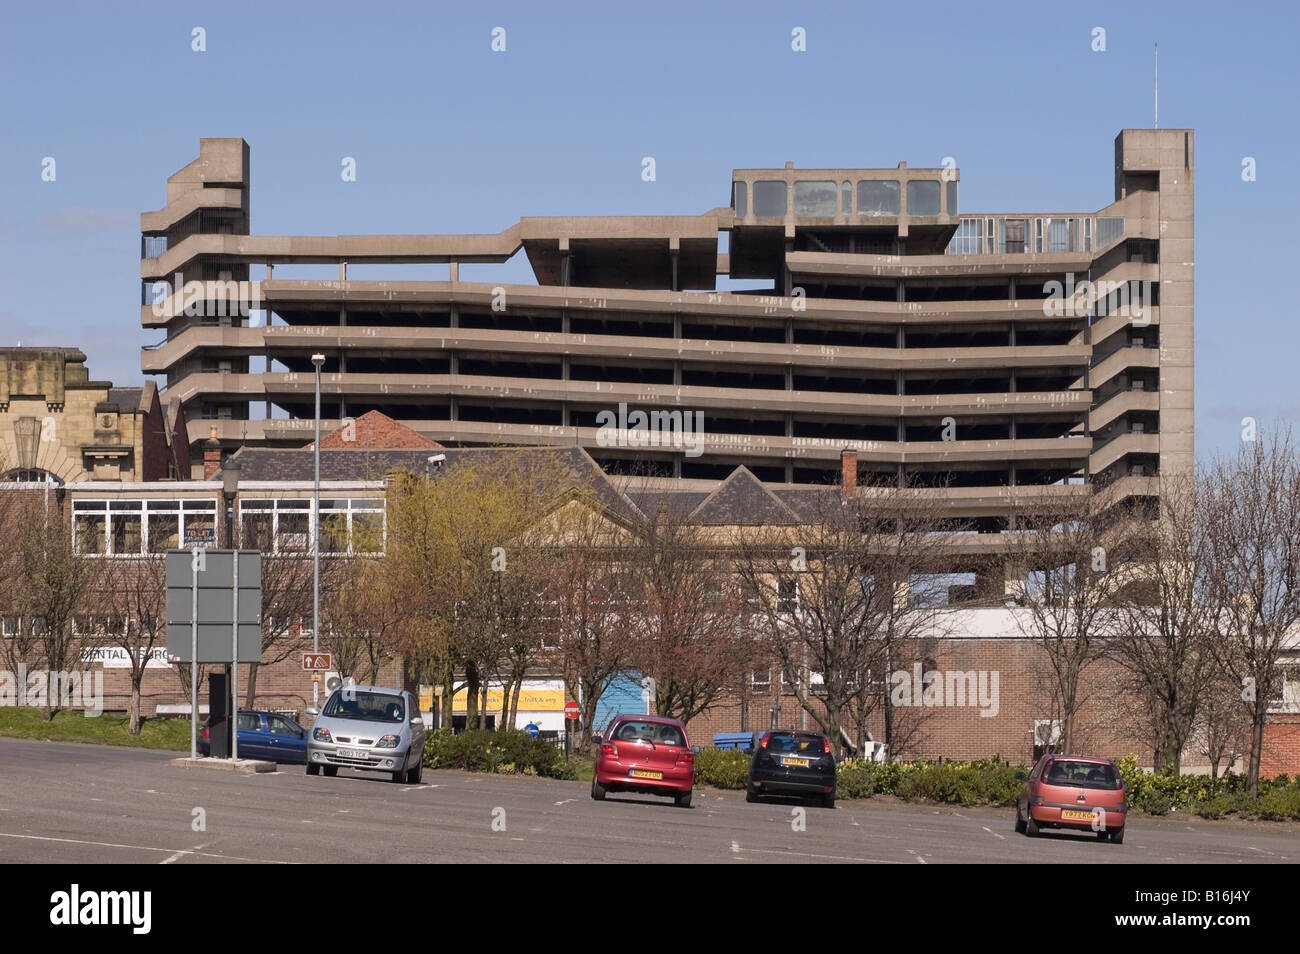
[{"x": 1000, "y": 356}]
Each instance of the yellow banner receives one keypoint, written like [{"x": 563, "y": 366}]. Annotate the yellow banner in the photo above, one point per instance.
[{"x": 530, "y": 700}]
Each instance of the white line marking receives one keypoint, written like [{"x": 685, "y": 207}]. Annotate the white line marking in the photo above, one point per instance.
[
  {"x": 985, "y": 827},
  {"x": 565, "y": 802},
  {"x": 735, "y": 845},
  {"x": 110, "y": 844},
  {"x": 181, "y": 854}
]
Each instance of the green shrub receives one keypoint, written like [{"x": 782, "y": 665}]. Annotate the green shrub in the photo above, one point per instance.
[
  {"x": 508, "y": 752},
  {"x": 721, "y": 768},
  {"x": 856, "y": 779},
  {"x": 1157, "y": 803},
  {"x": 1279, "y": 804},
  {"x": 1216, "y": 806}
]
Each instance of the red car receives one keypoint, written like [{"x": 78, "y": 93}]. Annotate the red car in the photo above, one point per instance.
[
  {"x": 1073, "y": 792},
  {"x": 646, "y": 754}
]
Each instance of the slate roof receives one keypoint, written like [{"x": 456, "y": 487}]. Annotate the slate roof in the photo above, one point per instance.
[
  {"x": 274, "y": 464},
  {"x": 742, "y": 500}
]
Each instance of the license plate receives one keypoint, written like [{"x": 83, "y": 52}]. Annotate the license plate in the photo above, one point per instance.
[
  {"x": 799, "y": 763},
  {"x": 352, "y": 753},
  {"x": 644, "y": 773},
  {"x": 1077, "y": 815}
]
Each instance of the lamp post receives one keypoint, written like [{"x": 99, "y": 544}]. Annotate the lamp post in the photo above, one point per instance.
[
  {"x": 317, "y": 360},
  {"x": 229, "y": 490}
]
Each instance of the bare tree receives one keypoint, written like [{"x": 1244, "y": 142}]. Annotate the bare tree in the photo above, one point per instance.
[
  {"x": 1222, "y": 726},
  {"x": 1072, "y": 554},
  {"x": 1161, "y": 640},
  {"x": 53, "y": 584},
  {"x": 135, "y": 593},
  {"x": 592, "y": 598},
  {"x": 363, "y": 619},
  {"x": 686, "y": 613},
  {"x": 835, "y": 597},
  {"x": 1252, "y": 505}
]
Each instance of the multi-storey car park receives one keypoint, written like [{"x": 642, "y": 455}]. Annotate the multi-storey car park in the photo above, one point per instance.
[{"x": 931, "y": 343}]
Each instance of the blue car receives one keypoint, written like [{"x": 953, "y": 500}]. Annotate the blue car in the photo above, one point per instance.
[{"x": 268, "y": 736}]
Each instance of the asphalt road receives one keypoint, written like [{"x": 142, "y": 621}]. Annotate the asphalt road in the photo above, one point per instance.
[{"x": 89, "y": 804}]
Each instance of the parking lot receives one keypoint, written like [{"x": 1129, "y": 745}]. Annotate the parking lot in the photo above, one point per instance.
[{"x": 66, "y": 802}]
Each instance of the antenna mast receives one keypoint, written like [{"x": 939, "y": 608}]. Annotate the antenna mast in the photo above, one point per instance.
[{"x": 1157, "y": 125}]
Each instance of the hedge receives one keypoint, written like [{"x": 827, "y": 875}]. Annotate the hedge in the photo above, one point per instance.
[{"x": 507, "y": 752}]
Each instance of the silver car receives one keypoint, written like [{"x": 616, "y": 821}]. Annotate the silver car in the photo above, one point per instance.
[{"x": 369, "y": 728}]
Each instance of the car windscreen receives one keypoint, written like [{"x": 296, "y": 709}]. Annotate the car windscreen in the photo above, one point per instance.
[
  {"x": 1081, "y": 774},
  {"x": 659, "y": 733},
  {"x": 365, "y": 706},
  {"x": 796, "y": 742}
]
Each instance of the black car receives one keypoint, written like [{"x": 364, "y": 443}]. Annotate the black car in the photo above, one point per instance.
[{"x": 792, "y": 763}]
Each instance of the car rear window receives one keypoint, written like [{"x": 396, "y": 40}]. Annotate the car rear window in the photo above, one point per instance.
[
  {"x": 365, "y": 706},
  {"x": 1081, "y": 774},
  {"x": 659, "y": 733},
  {"x": 795, "y": 742}
]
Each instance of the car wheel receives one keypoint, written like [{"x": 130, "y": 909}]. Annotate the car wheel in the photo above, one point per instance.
[
  {"x": 597, "y": 790},
  {"x": 1103, "y": 835},
  {"x": 828, "y": 801},
  {"x": 751, "y": 796},
  {"x": 330, "y": 770},
  {"x": 1031, "y": 827},
  {"x": 313, "y": 769},
  {"x": 413, "y": 774},
  {"x": 1020, "y": 822},
  {"x": 683, "y": 800},
  {"x": 1117, "y": 836}
]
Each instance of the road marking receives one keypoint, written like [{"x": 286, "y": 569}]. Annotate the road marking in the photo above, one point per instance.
[
  {"x": 985, "y": 827},
  {"x": 110, "y": 844},
  {"x": 808, "y": 854},
  {"x": 565, "y": 802},
  {"x": 735, "y": 847},
  {"x": 918, "y": 857},
  {"x": 181, "y": 854}
]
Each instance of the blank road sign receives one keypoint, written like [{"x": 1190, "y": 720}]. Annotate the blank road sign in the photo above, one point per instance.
[{"x": 216, "y": 605}]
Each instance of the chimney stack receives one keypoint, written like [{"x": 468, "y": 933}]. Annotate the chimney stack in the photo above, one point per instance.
[
  {"x": 211, "y": 455},
  {"x": 849, "y": 473}
]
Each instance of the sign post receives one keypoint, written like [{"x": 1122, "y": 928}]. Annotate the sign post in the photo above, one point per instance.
[
  {"x": 571, "y": 713},
  {"x": 214, "y": 615},
  {"x": 234, "y": 662},
  {"x": 196, "y": 564}
]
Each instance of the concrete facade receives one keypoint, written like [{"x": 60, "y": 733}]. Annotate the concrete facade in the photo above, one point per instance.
[{"x": 941, "y": 346}]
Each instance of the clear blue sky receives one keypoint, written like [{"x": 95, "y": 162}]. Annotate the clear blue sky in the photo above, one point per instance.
[{"x": 452, "y": 137}]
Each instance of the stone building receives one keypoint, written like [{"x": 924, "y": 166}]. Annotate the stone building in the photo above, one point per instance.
[{"x": 59, "y": 425}]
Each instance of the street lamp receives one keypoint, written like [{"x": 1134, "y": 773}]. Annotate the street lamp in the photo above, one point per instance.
[
  {"x": 229, "y": 490},
  {"x": 317, "y": 360}
]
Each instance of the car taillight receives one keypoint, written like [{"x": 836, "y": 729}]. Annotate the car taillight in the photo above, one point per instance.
[
  {"x": 686, "y": 755},
  {"x": 826, "y": 743},
  {"x": 609, "y": 748},
  {"x": 205, "y": 728},
  {"x": 763, "y": 741}
]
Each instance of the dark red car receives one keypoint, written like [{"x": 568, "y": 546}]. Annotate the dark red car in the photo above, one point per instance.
[
  {"x": 1073, "y": 792},
  {"x": 646, "y": 754}
]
